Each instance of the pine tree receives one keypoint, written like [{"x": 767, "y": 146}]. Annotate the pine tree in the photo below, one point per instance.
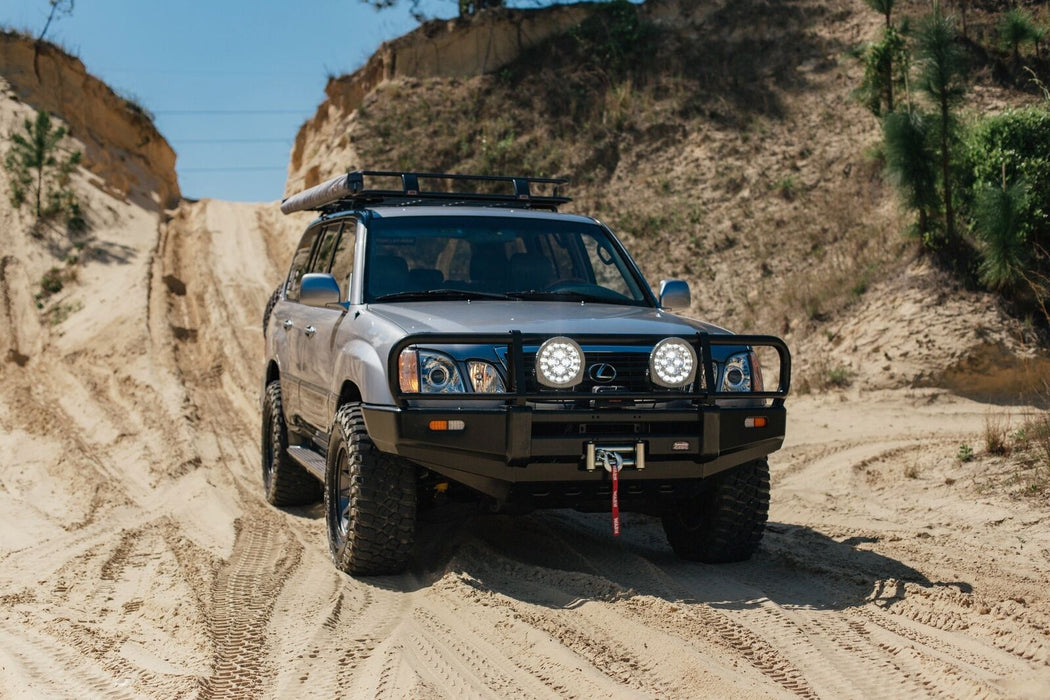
[
  {"x": 883, "y": 60},
  {"x": 1016, "y": 29},
  {"x": 998, "y": 218},
  {"x": 884, "y": 8},
  {"x": 885, "y": 64},
  {"x": 912, "y": 163},
  {"x": 942, "y": 77},
  {"x": 37, "y": 172}
]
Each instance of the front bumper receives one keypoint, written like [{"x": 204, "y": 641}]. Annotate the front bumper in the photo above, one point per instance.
[{"x": 500, "y": 448}]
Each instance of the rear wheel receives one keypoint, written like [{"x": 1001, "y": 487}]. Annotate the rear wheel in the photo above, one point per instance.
[
  {"x": 272, "y": 302},
  {"x": 726, "y": 522},
  {"x": 370, "y": 501},
  {"x": 285, "y": 483}
]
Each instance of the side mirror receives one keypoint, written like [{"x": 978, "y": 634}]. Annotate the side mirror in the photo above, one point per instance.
[
  {"x": 674, "y": 294},
  {"x": 319, "y": 289}
]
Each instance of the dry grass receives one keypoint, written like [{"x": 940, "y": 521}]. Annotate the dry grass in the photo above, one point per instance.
[
  {"x": 997, "y": 434},
  {"x": 1037, "y": 439},
  {"x": 1017, "y": 463},
  {"x": 823, "y": 375}
]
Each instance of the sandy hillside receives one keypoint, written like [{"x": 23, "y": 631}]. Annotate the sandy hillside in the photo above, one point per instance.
[{"x": 138, "y": 558}]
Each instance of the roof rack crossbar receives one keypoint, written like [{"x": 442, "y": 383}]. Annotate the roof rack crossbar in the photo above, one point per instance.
[{"x": 349, "y": 191}]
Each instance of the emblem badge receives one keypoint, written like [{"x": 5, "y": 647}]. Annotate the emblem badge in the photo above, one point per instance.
[{"x": 602, "y": 372}]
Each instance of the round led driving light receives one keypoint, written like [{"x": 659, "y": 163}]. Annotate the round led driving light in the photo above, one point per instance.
[
  {"x": 559, "y": 363},
  {"x": 672, "y": 363}
]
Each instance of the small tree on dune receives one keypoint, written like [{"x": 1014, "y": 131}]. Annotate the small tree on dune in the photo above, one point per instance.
[
  {"x": 38, "y": 172},
  {"x": 1017, "y": 28},
  {"x": 942, "y": 73},
  {"x": 912, "y": 163},
  {"x": 885, "y": 63}
]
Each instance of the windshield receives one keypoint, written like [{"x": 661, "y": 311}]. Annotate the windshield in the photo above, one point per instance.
[{"x": 443, "y": 257}]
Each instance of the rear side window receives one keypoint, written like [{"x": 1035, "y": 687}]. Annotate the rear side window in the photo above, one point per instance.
[
  {"x": 322, "y": 259},
  {"x": 299, "y": 263},
  {"x": 343, "y": 258}
]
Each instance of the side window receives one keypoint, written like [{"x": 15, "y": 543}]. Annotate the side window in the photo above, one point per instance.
[
  {"x": 322, "y": 259},
  {"x": 343, "y": 259},
  {"x": 299, "y": 263}
]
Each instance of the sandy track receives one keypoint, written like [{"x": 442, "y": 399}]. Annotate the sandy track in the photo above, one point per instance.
[{"x": 138, "y": 557}]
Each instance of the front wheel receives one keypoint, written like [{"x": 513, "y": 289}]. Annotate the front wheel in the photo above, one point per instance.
[
  {"x": 725, "y": 523},
  {"x": 370, "y": 501}
]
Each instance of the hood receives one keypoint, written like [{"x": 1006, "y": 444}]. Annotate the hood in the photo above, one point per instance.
[{"x": 540, "y": 317}]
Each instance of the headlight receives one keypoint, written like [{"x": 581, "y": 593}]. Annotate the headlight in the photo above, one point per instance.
[
  {"x": 484, "y": 378},
  {"x": 672, "y": 363},
  {"x": 423, "y": 371},
  {"x": 438, "y": 374},
  {"x": 559, "y": 363},
  {"x": 742, "y": 373}
]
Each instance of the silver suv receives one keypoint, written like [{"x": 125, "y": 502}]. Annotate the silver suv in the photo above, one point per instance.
[{"x": 455, "y": 337}]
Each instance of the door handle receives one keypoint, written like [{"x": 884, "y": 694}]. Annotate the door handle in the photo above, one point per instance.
[
  {"x": 310, "y": 330},
  {"x": 288, "y": 324}
]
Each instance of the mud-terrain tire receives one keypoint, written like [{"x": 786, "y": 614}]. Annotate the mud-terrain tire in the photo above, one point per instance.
[
  {"x": 285, "y": 483},
  {"x": 726, "y": 522},
  {"x": 272, "y": 302},
  {"x": 370, "y": 501}
]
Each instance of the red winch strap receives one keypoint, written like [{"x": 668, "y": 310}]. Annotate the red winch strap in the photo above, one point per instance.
[{"x": 615, "y": 500}]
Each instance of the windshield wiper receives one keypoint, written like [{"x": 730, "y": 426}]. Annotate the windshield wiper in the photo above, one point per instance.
[
  {"x": 439, "y": 294},
  {"x": 564, "y": 295}
]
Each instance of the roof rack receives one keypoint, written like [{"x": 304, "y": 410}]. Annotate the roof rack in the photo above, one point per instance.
[{"x": 349, "y": 192}]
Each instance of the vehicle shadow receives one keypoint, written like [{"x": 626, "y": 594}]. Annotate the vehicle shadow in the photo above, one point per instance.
[{"x": 564, "y": 559}]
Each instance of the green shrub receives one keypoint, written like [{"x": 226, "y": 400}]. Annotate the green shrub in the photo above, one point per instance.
[
  {"x": 1015, "y": 145},
  {"x": 614, "y": 38},
  {"x": 51, "y": 282},
  {"x": 1006, "y": 190}
]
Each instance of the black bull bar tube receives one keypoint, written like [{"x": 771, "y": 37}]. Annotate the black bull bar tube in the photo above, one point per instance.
[{"x": 515, "y": 342}]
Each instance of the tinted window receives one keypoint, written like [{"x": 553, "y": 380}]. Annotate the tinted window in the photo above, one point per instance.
[
  {"x": 322, "y": 258},
  {"x": 343, "y": 258},
  {"x": 299, "y": 263}
]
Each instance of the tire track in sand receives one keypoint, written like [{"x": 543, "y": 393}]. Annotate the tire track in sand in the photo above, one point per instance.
[{"x": 241, "y": 606}]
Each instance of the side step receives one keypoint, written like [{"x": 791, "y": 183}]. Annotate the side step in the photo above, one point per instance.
[{"x": 311, "y": 461}]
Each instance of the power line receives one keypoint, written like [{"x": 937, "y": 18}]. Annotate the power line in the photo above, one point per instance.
[
  {"x": 284, "y": 140},
  {"x": 245, "y": 168},
  {"x": 161, "y": 112}
]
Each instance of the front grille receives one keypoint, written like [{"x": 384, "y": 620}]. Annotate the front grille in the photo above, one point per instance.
[{"x": 632, "y": 371}]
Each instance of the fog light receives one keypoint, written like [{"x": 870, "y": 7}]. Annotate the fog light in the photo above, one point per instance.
[
  {"x": 672, "y": 363},
  {"x": 559, "y": 363}
]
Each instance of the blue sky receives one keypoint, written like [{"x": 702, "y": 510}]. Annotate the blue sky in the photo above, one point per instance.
[{"x": 230, "y": 81}]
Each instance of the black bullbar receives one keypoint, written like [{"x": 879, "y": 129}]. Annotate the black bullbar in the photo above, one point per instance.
[
  {"x": 517, "y": 393},
  {"x": 518, "y": 429}
]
